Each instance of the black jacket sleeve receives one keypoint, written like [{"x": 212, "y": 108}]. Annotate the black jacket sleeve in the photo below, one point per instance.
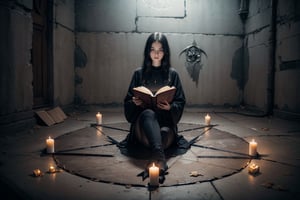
[{"x": 132, "y": 111}]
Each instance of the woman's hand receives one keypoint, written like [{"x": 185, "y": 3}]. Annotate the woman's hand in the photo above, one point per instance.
[
  {"x": 137, "y": 101},
  {"x": 164, "y": 105}
]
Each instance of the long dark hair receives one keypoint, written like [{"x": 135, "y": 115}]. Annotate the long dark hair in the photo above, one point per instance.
[{"x": 165, "y": 63}]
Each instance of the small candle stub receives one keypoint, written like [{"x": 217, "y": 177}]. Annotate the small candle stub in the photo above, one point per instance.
[
  {"x": 253, "y": 148},
  {"x": 253, "y": 169},
  {"x": 207, "y": 119},
  {"x": 195, "y": 174},
  {"x": 37, "y": 172},
  {"x": 51, "y": 169}
]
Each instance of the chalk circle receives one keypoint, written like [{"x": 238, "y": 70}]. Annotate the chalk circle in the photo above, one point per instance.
[{"x": 87, "y": 153}]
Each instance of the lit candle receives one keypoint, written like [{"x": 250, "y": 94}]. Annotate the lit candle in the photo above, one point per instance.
[
  {"x": 207, "y": 119},
  {"x": 37, "y": 172},
  {"x": 154, "y": 175},
  {"x": 253, "y": 148},
  {"x": 99, "y": 118},
  {"x": 253, "y": 169},
  {"x": 50, "y": 145},
  {"x": 51, "y": 169}
]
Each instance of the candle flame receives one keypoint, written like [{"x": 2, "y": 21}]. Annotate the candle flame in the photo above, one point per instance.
[{"x": 51, "y": 169}]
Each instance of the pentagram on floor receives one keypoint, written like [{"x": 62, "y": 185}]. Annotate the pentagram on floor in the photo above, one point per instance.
[{"x": 88, "y": 153}]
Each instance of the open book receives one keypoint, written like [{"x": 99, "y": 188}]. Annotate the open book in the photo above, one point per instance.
[{"x": 165, "y": 93}]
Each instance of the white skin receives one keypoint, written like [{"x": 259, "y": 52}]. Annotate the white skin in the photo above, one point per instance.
[{"x": 156, "y": 55}]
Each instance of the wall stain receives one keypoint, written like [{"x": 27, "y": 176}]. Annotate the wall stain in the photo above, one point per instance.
[
  {"x": 240, "y": 69},
  {"x": 80, "y": 57}
]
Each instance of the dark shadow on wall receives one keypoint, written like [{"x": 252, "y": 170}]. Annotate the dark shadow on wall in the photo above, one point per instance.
[
  {"x": 81, "y": 60},
  {"x": 240, "y": 70}
]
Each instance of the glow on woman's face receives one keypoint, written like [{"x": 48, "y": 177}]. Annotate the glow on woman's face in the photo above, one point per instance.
[{"x": 156, "y": 53}]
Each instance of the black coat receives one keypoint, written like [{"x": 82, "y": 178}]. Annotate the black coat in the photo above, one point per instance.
[{"x": 166, "y": 118}]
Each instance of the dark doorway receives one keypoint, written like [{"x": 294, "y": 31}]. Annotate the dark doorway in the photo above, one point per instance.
[{"x": 41, "y": 53}]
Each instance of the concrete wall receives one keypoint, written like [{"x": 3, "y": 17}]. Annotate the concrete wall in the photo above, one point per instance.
[
  {"x": 98, "y": 43},
  {"x": 111, "y": 35},
  {"x": 287, "y": 76},
  {"x": 16, "y": 90},
  {"x": 286, "y": 62},
  {"x": 257, "y": 30},
  {"x": 16, "y": 95},
  {"x": 16, "y": 70},
  {"x": 63, "y": 52}
]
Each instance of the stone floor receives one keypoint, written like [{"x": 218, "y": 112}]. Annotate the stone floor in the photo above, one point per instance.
[{"x": 219, "y": 157}]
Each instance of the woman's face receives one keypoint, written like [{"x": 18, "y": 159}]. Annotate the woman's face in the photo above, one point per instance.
[{"x": 156, "y": 53}]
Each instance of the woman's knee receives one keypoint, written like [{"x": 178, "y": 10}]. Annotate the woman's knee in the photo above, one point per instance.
[
  {"x": 167, "y": 136},
  {"x": 147, "y": 114}
]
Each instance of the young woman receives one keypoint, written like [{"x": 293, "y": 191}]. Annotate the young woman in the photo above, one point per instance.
[{"x": 154, "y": 128}]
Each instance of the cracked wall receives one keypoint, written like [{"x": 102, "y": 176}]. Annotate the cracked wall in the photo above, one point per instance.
[{"x": 113, "y": 34}]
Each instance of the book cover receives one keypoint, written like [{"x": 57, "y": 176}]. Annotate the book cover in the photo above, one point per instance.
[
  {"x": 165, "y": 93},
  {"x": 52, "y": 116}
]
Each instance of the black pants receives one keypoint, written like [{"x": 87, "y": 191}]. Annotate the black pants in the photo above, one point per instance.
[{"x": 150, "y": 133}]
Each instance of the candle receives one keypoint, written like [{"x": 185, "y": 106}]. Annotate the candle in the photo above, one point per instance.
[
  {"x": 50, "y": 145},
  {"x": 154, "y": 175},
  {"x": 253, "y": 169},
  {"x": 37, "y": 172},
  {"x": 51, "y": 169},
  {"x": 253, "y": 148},
  {"x": 207, "y": 119},
  {"x": 99, "y": 118}
]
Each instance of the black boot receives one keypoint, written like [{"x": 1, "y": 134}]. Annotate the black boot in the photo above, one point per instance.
[
  {"x": 164, "y": 131},
  {"x": 159, "y": 159}
]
